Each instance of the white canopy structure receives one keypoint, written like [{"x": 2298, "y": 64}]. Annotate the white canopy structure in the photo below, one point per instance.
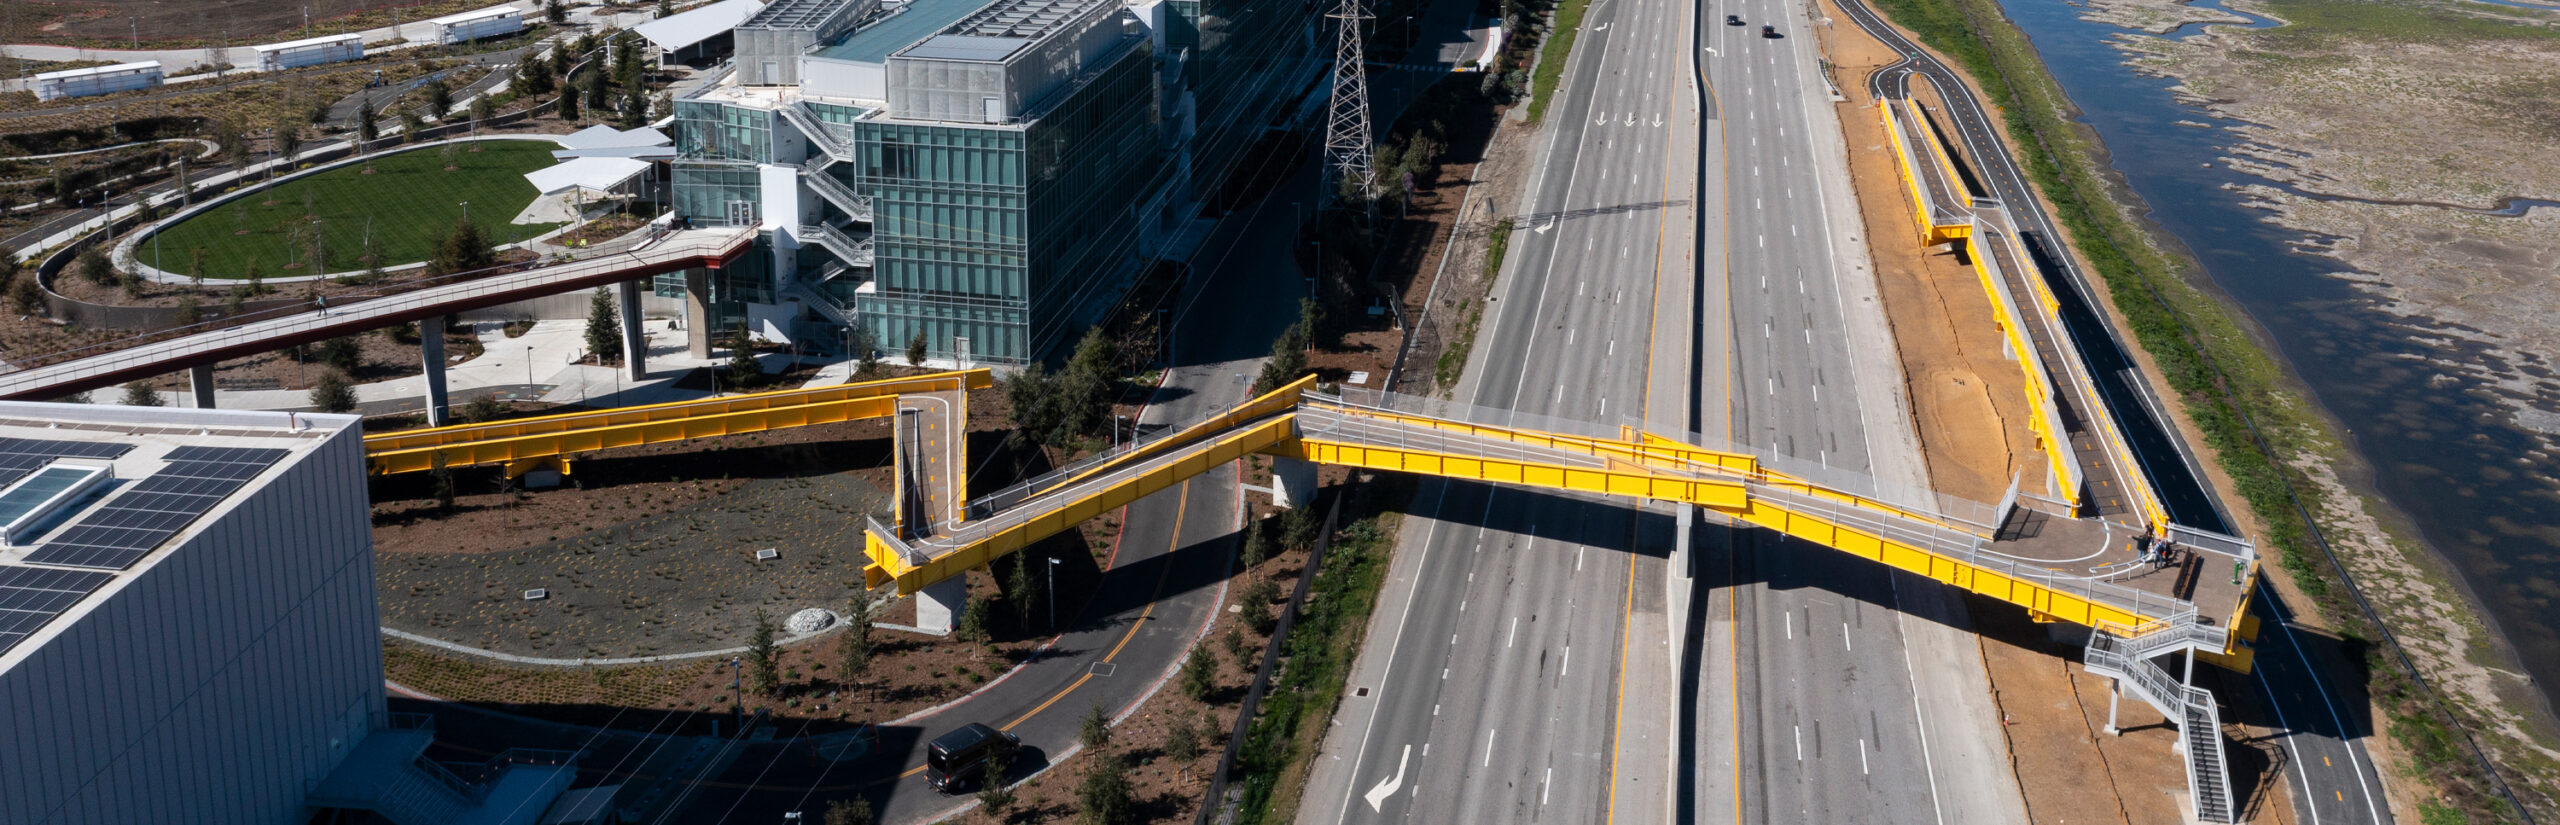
[
  {"x": 590, "y": 177},
  {"x": 609, "y": 142},
  {"x": 677, "y": 32}
]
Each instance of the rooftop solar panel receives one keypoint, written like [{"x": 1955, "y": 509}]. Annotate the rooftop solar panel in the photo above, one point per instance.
[
  {"x": 129, "y": 526},
  {"x": 31, "y": 597},
  {"x": 20, "y": 456}
]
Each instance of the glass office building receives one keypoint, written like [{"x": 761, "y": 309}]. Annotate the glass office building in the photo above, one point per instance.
[{"x": 991, "y": 175}]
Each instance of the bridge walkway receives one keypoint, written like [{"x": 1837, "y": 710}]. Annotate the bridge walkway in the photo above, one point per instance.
[
  {"x": 115, "y": 362},
  {"x": 2082, "y": 571}
]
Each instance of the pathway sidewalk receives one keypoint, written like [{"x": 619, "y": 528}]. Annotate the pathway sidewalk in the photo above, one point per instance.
[{"x": 541, "y": 360}]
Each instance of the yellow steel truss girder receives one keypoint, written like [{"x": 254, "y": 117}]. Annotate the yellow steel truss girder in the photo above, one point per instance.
[
  {"x": 2043, "y": 421},
  {"x": 1651, "y": 450},
  {"x": 1619, "y": 480},
  {"x": 411, "y": 451},
  {"x": 1278, "y": 400},
  {"x": 1937, "y": 151},
  {"x": 2033, "y": 595},
  {"x": 671, "y": 410},
  {"x": 523, "y": 448},
  {"x": 888, "y": 565}
]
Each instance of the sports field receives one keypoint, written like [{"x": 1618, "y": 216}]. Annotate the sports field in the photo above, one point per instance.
[{"x": 405, "y": 202}]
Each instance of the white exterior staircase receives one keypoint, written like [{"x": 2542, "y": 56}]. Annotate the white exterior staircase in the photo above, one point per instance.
[{"x": 2124, "y": 654}]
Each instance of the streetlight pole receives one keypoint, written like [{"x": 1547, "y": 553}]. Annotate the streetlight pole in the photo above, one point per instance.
[
  {"x": 737, "y": 699},
  {"x": 528, "y": 365},
  {"x": 1053, "y": 593}
]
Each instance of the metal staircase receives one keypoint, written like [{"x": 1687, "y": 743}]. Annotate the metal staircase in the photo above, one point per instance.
[
  {"x": 818, "y": 299},
  {"x": 847, "y": 248},
  {"x": 853, "y": 203},
  {"x": 2199, "y": 721},
  {"x": 808, "y": 124}
]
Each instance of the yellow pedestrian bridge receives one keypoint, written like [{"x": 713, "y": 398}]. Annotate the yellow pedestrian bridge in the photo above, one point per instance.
[{"x": 2026, "y": 552}]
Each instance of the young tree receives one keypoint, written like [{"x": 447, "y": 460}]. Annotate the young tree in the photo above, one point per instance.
[
  {"x": 569, "y": 104},
  {"x": 743, "y": 370},
  {"x": 555, "y": 12},
  {"x": 635, "y": 111},
  {"x": 93, "y": 265},
  {"x": 1289, "y": 352},
  {"x": 597, "y": 99},
  {"x": 461, "y": 249},
  {"x": 288, "y": 139},
  {"x": 604, "y": 327},
  {"x": 1298, "y": 528},
  {"x": 764, "y": 671},
  {"x": 856, "y": 811},
  {"x": 439, "y": 98},
  {"x": 1199, "y": 674},
  {"x": 411, "y": 124},
  {"x": 483, "y": 409},
  {"x": 996, "y": 794},
  {"x": 666, "y": 7},
  {"x": 26, "y": 297},
  {"x": 1257, "y": 545},
  {"x": 1094, "y": 730},
  {"x": 257, "y": 276},
  {"x": 1105, "y": 797},
  {"x": 972, "y": 628},
  {"x": 1018, "y": 590},
  {"x": 917, "y": 348},
  {"x": 442, "y": 477},
  {"x": 343, "y": 354},
  {"x": 482, "y": 109},
  {"x": 866, "y": 351},
  {"x": 195, "y": 265},
  {"x": 1182, "y": 743},
  {"x": 138, "y": 395},
  {"x": 332, "y": 393},
  {"x": 189, "y": 312},
  {"x": 853, "y": 649},
  {"x": 366, "y": 129}
]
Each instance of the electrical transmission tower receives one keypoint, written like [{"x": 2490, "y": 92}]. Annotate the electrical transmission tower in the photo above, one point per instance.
[{"x": 1347, "y": 148}]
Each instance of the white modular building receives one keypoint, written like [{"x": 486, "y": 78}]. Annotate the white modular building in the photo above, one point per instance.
[
  {"x": 468, "y": 26},
  {"x": 188, "y": 628},
  {"x": 336, "y": 48},
  {"x": 97, "y": 80}
]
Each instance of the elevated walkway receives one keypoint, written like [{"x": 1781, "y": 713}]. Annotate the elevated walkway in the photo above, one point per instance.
[
  {"x": 549, "y": 441},
  {"x": 116, "y": 362},
  {"x": 1938, "y": 202},
  {"x": 2082, "y": 571}
]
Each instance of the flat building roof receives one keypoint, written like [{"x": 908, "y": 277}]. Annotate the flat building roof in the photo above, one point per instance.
[
  {"x": 912, "y": 22},
  {"x": 477, "y": 14},
  {"x": 120, "y": 68},
  {"x": 308, "y": 42}
]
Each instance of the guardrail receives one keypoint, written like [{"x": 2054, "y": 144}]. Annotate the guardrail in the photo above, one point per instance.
[{"x": 2063, "y": 461}]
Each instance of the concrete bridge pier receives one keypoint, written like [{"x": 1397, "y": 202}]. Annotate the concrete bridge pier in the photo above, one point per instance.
[
  {"x": 697, "y": 312},
  {"x": 1681, "y": 564},
  {"x": 1293, "y": 482},
  {"x": 431, "y": 356},
  {"x": 635, "y": 345},
  {"x": 200, "y": 384},
  {"x": 938, "y": 605}
]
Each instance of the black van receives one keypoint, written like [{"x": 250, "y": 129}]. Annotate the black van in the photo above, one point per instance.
[{"x": 958, "y": 758}]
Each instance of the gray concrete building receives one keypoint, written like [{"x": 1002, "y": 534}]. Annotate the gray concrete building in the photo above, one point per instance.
[{"x": 188, "y": 630}]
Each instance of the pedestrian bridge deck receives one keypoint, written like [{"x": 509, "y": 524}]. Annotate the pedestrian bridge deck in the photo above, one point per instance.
[{"x": 2086, "y": 572}]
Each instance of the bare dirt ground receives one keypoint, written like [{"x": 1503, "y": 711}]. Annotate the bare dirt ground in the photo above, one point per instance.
[
  {"x": 2071, "y": 770},
  {"x": 1968, "y": 400}
]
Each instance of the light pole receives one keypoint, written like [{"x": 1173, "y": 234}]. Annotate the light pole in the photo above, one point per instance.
[
  {"x": 1053, "y": 593},
  {"x": 466, "y": 210},
  {"x": 737, "y": 699},
  {"x": 528, "y": 365}
]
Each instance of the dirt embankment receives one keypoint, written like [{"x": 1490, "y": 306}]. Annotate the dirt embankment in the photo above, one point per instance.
[{"x": 2155, "y": 16}]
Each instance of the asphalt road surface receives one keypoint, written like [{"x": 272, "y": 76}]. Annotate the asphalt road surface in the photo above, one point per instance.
[
  {"x": 1831, "y": 680},
  {"x": 1493, "y": 666}
]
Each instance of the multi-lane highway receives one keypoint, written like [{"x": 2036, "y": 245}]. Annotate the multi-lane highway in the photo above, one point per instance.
[
  {"x": 1835, "y": 684},
  {"x": 1492, "y": 676}
]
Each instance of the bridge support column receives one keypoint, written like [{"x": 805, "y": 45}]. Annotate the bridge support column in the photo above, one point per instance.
[
  {"x": 431, "y": 356},
  {"x": 2115, "y": 694},
  {"x": 938, "y": 605},
  {"x": 200, "y": 383},
  {"x": 635, "y": 344},
  {"x": 697, "y": 312},
  {"x": 1293, "y": 482},
  {"x": 1683, "y": 564}
]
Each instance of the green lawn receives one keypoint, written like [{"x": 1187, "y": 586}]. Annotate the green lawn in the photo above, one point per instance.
[{"x": 407, "y": 200}]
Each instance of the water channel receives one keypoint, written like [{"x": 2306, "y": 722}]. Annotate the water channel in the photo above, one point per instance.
[{"x": 2476, "y": 484}]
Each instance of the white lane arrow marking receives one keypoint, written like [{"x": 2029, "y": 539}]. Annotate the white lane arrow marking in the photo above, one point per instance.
[
  {"x": 1631, "y": 118},
  {"x": 1378, "y": 796},
  {"x": 1603, "y": 27},
  {"x": 1657, "y": 121},
  {"x": 1601, "y": 120}
]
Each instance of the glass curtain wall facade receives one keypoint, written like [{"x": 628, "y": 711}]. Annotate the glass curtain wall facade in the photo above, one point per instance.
[
  {"x": 1246, "y": 65},
  {"x": 996, "y": 234},
  {"x": 714, "y": 182}
]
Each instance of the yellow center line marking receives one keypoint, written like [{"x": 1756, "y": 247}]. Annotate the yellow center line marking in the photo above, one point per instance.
[
  {"x": 1618, "y": 715},
  {"x": 1182, "y": 506}
]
